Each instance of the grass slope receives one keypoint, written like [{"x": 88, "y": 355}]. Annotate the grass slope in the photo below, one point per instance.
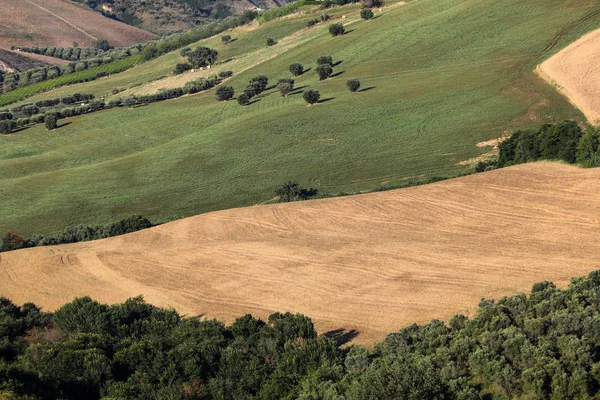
[
  {"x": 373, "y": 262},
  {"x": 443, "y": 75}
]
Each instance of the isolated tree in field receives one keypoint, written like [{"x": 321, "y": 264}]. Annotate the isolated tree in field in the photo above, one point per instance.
[
  {"x": 366, "y": 14},
  {"x": 225, "y": 39},
  {"x": 325, "y": 17},
  {"x": 353, "y": 85},
  {"x": 271, "y": 42},
  {"x": 337, "y": 29},
  {"x": 296, "y": 69},
  {"x": 325, "y": 60},
  {"x": 51, "y": 122},
  {"x": 291, "y": 192},
  {"x": 202, "y": 56},
  {"x": 311, "y": 96},
  {"x": 285, "y": 86},
  {"x": 243, "y": 99},
  {"x": 324, "y": 71},
  {"x": 225, "y": 93}
]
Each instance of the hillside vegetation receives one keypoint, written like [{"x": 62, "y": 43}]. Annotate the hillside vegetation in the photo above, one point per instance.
[
  {"x": 437, "y": 76},
  {"x": 541, "y": 346},
  {"x": 172, "y": 15},
  {"x": 60, "y": 23},
  {"x": 368, "y": 263}
]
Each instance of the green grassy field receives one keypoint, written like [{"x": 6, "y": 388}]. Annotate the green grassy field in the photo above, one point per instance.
[{"x": 442, "y": 75}]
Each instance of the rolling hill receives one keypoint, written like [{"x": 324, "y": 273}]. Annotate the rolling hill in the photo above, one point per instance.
[
  {"x": 369, "y": 263},
  {"x": 462, "y": 74},
  {"x": 60, "y": 23}
]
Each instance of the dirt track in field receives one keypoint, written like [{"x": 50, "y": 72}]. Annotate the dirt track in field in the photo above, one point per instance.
[
  {"x": 60, "y": 23},
  {"x": 576, "y": 72},
  {"x": 372, "y": 262}
]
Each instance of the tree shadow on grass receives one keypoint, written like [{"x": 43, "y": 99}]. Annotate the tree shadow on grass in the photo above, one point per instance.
[
  {"x": 63, "y": 125},
  {"x": 326, "y": 100},
  {"x": 253, "y": 101},
  {"x": 336, "y": 74},
  {"x": 366, "y": 89},
  {"x": 335, "y": 64},
  {"x": 342, "y": 336},
  {"x": 350, "y": 31}
]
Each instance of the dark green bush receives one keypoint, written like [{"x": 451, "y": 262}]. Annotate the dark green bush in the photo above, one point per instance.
[
  {"x": 224, "y": 93},
  {"x": 337, "y": 29},
  {"x": 311, "y": 96},
  {"x": 353, "y": 85},
  {"x": 296, "y": 69}
]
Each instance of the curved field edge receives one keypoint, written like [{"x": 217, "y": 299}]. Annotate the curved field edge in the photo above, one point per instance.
[
  {"x": 372, "y": 262},
  {"x": 575, "y": 72},
  {"x": 431, "y": 98}
]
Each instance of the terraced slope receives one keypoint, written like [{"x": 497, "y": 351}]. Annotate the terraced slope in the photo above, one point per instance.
[
  {"x": 439, "y": 76},
  {"x": 370, "y": 263}
]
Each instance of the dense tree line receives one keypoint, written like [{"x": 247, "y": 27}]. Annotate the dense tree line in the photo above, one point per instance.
[
  {"x": 81, "y": 233},
  {"x": 542, "y": 346},
  {"x": 565, "y": 141},
  {"x": 66, "y": 53}
]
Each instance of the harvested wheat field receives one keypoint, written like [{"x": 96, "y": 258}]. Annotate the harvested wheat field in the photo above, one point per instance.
[
  {"x": 60, "y": 23},
  {"x": 371, "y": 263},
  {"x": 576, "y": 72}
]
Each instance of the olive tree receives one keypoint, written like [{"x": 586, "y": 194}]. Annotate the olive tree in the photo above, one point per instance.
[
  {"x": 225, "y": 93},
  {"x": 337, "y": 29},
  {"x": 353, "y": 85},
  {"x": 366, "y": 14},
  {"x": 324, "y": 71},
  {"x": 296, "y": 69},
  {"x": 311, "y": 96}
]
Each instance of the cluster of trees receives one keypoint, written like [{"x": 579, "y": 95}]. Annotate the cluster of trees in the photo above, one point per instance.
[
  {"x": 147, "y": 51},
  {"x": 15, "y": 80},
  {"x": 28, "y": 114},
  {"x": 81, "y": 233},
  {"x": 48, "y": 111},
  {"x": 542, "y": 346},
  {"x": 291, "y": 191},
  {"x": 197, "y": 58},
  {"x": 564, "y": 141},
  {"x": 163, "y": 45}
]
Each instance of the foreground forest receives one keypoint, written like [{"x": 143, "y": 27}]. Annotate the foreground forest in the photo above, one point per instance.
[{"x": 542, "y": 346}]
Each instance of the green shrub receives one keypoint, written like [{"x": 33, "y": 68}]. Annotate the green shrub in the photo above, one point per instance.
[
  {"x": 366, "y": 14},
  {"x": 353, "y": 85},
  {"x": 243, "y": 99},
  {"x": 296, "y": 69},
  {"x": 324, "y": 71},
  {"x": 51, "y": 122},
  {"x": 224, "y": 93},
  {"x": 311, "y": 96},
  {"x": 337, "y": 29}
]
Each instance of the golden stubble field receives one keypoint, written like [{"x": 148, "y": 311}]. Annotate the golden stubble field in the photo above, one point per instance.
[
  {"x": 371, "y": 263},
  {"x": 576, "y": 72}
]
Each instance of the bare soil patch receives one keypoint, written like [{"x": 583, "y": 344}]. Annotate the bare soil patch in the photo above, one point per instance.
[
  {"x": 374, "y": 262},
  {"x": 575, "y": 71},
  {"x": 60, "y": 23}
]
